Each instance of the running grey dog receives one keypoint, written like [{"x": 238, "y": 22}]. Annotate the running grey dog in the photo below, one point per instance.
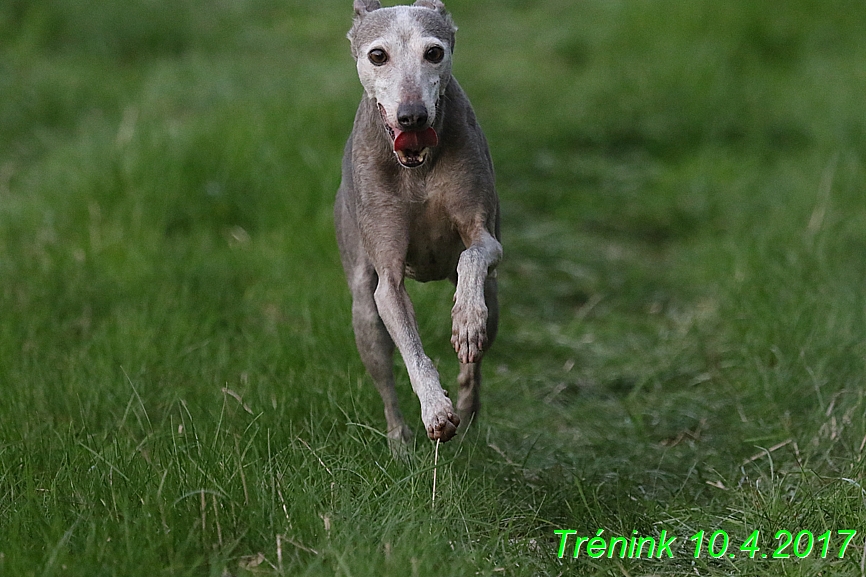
[{"x": 417, "y": 200}]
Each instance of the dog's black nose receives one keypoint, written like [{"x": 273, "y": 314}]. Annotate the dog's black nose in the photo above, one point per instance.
[{"x": 412, "y": 116}]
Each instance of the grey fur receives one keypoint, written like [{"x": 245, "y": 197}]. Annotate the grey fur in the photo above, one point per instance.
[
  {"x": 437, "y": 221},
  {"x": 364, "y": 6}
]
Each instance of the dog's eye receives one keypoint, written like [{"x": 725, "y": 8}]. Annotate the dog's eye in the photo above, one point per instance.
[
  {"x": 434, "y": 54},
  {"x": 378, "y": 56}
]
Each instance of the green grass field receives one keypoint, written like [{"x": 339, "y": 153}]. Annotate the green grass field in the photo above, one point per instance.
[{"x": 683, "y": 339}]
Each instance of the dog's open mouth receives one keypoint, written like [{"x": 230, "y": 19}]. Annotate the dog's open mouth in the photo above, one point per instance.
[{"x": 410, "y": 147}]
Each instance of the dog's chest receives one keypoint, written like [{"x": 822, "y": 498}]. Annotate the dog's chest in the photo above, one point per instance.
[{"x": 434, "y": 244}]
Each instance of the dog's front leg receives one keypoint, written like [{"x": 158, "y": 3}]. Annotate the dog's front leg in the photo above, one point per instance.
[
  {"x": 469, "y": 315},
  {"x": 395, "y": 309}
]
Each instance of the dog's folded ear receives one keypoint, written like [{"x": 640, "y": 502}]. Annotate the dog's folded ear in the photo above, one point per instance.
[
  {"x": 432, "y": 4},
  {"x": 364, "y": 6},
  {"x": 438, "y": 6}
]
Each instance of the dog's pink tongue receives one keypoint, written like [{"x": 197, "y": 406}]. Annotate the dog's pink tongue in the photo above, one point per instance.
[{"x": 416, "y": 140}]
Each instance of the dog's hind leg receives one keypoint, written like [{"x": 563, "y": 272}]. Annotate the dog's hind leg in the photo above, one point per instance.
[
  {"x": 395, "y": 308},
  {"x": 371, "y": 337},
  {"x": 469, "y": 401},
  {"x": 377, "y": 352}
]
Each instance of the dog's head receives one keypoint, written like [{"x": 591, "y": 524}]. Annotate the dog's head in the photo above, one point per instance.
[{"x": 403, "y": 54}]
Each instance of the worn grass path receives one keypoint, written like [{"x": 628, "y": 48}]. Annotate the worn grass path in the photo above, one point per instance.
[{"x": 682, "y": 345}]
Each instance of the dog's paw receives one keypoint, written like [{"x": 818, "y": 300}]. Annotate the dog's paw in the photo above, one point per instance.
[
  {"x": 400, "y": 434},
  {"x": 469, "y": 331},
  {"x": 441, "y": 422},
  {"x": 467, "y": 407},
  {"x": 400, "y": 441}
]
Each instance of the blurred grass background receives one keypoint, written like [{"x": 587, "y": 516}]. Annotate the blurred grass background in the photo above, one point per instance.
[{"x": 682, "y": 342}]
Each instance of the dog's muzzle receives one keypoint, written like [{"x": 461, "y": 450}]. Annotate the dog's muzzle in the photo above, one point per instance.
[{"x": 412, "y": 139}]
